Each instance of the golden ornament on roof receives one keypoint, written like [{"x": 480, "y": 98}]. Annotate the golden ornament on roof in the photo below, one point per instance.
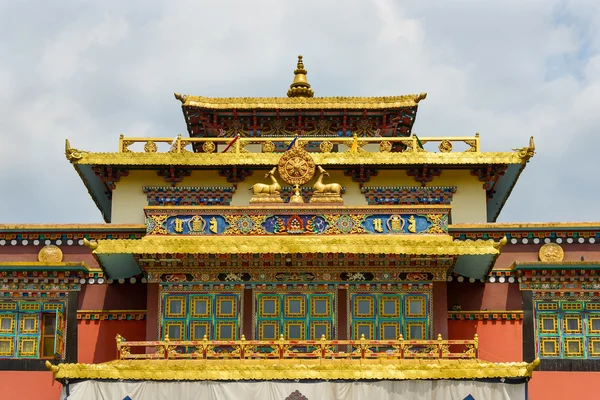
[
  {"x": 296, "y": 166},
  {"x": 551, "y": 252},
  {"x": 50, "y": 254},
  {"x": 300, "y": 87}
]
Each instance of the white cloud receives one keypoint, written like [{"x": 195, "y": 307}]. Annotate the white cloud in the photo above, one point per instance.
[
  {"x": 92, "y": 71},
  {"x": 64, "y": 53}
]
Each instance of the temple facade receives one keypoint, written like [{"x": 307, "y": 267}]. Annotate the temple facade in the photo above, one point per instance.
[{"x": 299, "y": 247}]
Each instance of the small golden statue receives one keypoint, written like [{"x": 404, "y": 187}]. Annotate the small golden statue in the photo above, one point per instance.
[
  {"x": 297, "y": 196},
  {"x": 263, "y": 193},
  {"x": 526, "y": 152},
  {"x": 326, "y": 193}
]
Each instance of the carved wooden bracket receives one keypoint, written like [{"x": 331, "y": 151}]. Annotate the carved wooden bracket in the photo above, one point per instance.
[
  {"x": 109, "y": 175},
  {"x": 361, "y": 174},
  {"x": 424, "y": 173},
  {"x": 489, "y": 176},
  {"x": 235, "y": 174},
  {"x": 173, "y": 175}
]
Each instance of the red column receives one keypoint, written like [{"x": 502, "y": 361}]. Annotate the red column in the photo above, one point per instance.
[
  {"x": 152, "y": 312},
  {"x": 342, "y": 314},
  {"x": 440, "y": 310}
]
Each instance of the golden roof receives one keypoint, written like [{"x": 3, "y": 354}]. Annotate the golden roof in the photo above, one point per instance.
[
  {"x": 251, "y": 369},
  {"x": 305, "y": 103},
  {"x": 270, "y": 159},
  {"x": 351, "y": 244}
]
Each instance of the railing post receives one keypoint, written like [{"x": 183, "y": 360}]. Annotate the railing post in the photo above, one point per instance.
[
  {"x": 121, "y": 143},
  {"x": 440, "y": 352},
  {"x": 243, "y": 347},
  {"x": 119, "y": 339},
  {"x": 362, "y": 345},
  {"x": 401, "y": 343},
  {"x": 476, "y": 345},
  {"x": 281, "y": 346},
  {"x": 205, "y": 347},
  {"x": 477, "y": 142},
  {"x": 323, "y": 346},
  {"x": 237, "y": 146},
  {"x": 166, "y": 347}
]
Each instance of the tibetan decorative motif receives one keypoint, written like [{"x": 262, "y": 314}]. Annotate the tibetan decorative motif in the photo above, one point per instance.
[
  {"x": 109, "y": 175},
  {"x": 551, "y": 252},
  {"x": 306, "y": 192},
  {"x": 385, "y": 146},
  {"x": 150, "y": 147},
  {"x": 264, "y": 221},
  {"x": 174, "y": 175},
  {"x": 326, "y": 146},
  {"x": 489, "y": 175},
  {"x": 445, "y": 146},
  {"x": 50, "y": 254},
  {"x": 235, "y": 174},
  {"x": 209, "y": 147},
  {"x": 424, "y": 174},
  {"x": 268, "y": 369},
  {"x": 527, "y": 152},
  {"x": 296, "y": 395},
  {"x": 326, "y": 193},
  {"x": 112, "y": 315},
  {"x": 73, "y": 154},
  {"x": 408, "y": 195},
  {"x": 188, "y": 196},
  {"x": 268, "y": 147},
  {"x": 265, "y": 193},
  {"x": 507, "y": 315},
  {"x": 324, "y": 271},
  {"x": 361, "y": 174},
  {"x": 296, "y": 198},
  {"x": 296, "y": 166}
]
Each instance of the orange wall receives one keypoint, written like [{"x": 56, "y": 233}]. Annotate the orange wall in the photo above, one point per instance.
[
  {"x": 529, "y": 252},
  {"x": 547, "y": 385},
  {"x": 484, "y": 296},
  {"x": 74, "y": 253},
  {"x": 499, "y": 341},
  {"x": 117, "y": 296},
  {"x": 96, "y": 339},
  {"x": 38, "y": 385}
]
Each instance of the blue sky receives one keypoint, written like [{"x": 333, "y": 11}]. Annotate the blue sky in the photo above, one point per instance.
[{"x": 89, "y": 71}]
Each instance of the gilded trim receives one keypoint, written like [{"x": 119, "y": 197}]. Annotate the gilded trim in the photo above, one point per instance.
[
  {"x": 305, "y": 103},
  {"x": 71, "y": 227},
  {"x": 93, "y": 315},
  {"x": 554, "y": 265},
  {"x": 270, "y": 159},
  {"x": 509, "y": 315},
  {"x": 524, "y": 226},
  {"x": 351, "y": 244},
  {"x": 45, "y": 265},
  {"x": 218, "y": 370}
]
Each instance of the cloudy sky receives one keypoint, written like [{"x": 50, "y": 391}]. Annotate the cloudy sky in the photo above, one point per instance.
[{"x": 90, "y": 70}]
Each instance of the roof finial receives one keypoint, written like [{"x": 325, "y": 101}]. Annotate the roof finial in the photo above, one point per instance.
[{"x": 300, "y": 87}]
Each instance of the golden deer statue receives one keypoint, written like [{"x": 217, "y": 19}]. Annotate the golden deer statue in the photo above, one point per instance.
[
  {"x": 320, "y": 188},
  {"x": 326, "y": 193},
  {"x": 263, "y": 193}
]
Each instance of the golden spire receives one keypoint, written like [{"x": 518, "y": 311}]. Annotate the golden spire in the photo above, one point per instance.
[{"x": 300, "y": 87}]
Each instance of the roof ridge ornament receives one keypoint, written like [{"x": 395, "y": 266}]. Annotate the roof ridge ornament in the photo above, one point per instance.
[{"x": 300, "y": 87}]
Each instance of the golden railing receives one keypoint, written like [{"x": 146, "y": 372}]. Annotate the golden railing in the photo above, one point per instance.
[
  {"x": 295, "y": 349},
  {"x": 317, "y": 144}
]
